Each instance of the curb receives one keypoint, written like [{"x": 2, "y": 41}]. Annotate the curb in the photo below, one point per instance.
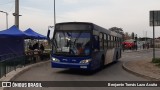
[
  {"x": 138, "y": 74},
  {"x": 14, "y": 74},
  {"x": 138, "y": 50}
]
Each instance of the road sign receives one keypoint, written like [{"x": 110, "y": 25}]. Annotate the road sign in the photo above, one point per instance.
[
  {"x": 155, "y": 17},
  {"x": 154, "y": 21}
]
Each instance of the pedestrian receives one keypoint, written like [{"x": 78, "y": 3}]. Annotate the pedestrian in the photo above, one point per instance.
[
  {"x": 35, "y": 46},
  {"x": 147, "y": 45},
  {"x": 42, "y": 50},
  {"x": 41, "y": 47},
  {"x": 143, "y": 46},
  {"x": 123, "y": 46},
  {"x": 136, "y": 46},
  {"x": 30, "y": 47}
]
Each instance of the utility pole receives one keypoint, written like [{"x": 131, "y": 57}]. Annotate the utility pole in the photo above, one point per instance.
[
  {"x": 54, "y": 12},
  {"x": 153, "y": 35},
  {"x": 16, "y": 14}
]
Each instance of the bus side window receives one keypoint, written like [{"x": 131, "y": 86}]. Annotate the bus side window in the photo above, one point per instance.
[
  {"x": 101, "y": 41},
  {"x": 96, "y": 43},
  {"x": 105, "y": 41},
  {"x": 109, "y": 41}
]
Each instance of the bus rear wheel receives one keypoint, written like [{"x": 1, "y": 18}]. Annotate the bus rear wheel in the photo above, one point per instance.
[
  {"x": 102, "y": 62},
  {"x": 117, "y": 57}
]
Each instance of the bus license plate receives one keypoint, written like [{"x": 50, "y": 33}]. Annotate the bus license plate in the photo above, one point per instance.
[{"x": 83, "y": 66}]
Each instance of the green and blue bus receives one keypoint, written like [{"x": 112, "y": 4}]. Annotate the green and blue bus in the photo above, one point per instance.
[{"x": 84, "y": 45}]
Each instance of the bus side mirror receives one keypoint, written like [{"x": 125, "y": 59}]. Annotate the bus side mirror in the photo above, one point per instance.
[
  {"x": 48, "y": 34},
  {"x": 48, "y": 37}
]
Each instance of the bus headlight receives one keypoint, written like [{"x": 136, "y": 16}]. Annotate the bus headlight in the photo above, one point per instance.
[
  {"x": 85, "y": 61},
  {"x": 55, "y": 60}
]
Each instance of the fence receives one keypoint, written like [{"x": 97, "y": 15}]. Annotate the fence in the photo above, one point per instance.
[
  {"x": 10, "y": 62},
  {"x": 157, "y": 45}
]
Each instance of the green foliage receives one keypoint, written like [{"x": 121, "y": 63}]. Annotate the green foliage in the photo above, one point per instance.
[
  {"x": 156, "y": 60},
  {"x": 159, "y": 64}
]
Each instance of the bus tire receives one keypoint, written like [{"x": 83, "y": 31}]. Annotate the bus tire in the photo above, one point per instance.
[
  {"x": 102, "y": 62},
  {"x": 117, "y": 57}
]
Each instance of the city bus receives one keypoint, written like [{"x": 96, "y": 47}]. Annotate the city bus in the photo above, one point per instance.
[{"x": 84, "y": 45}]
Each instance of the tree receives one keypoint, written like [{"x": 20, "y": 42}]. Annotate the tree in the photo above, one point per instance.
[{"x": 117, "y": 30}]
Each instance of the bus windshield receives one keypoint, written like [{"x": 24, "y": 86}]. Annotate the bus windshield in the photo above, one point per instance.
[{"x": 72, "y": 43}]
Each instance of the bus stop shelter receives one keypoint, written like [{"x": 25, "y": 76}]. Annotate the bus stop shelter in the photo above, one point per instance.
[
  {"x": 35, "y": 34},
  {"x": 12, "y": 41}
]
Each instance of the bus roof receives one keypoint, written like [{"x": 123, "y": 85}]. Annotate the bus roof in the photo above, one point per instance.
[{"x": 93, "y": 27}]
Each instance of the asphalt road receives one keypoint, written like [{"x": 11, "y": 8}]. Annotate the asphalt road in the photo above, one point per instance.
[{"x": 112, "y": 72}]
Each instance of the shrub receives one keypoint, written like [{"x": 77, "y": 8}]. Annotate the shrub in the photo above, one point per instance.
[{"x": 156, "y": 60}]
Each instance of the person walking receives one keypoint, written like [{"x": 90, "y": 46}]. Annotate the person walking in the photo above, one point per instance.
[
  {"x": 42, "y": 51},
  {"x": 42, "y": 48}
]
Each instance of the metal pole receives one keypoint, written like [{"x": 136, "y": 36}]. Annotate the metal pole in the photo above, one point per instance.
[
  {"x": 136, "y": 42},
  {"x": 54, "y": 12},
  {"x": 17, "y": 13},
  {"x": 153, "y": 37},
  {"x": 146, "y": 37},
  {"x": 7, "y": 20}
]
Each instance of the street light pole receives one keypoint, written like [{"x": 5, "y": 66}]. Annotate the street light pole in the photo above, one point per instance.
[
  {"x": 16, "y": 14},
  {"x": 153, "y": 35},
  {"x": 6, "y": 18},
  {"x": 54, "y": 12},
  {"x": 50, "y": 27}
]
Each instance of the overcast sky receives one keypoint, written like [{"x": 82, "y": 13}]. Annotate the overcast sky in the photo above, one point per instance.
[{"x": 131, "y": 15}]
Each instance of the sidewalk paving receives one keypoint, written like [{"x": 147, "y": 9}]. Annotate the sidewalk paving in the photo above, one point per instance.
[
  {"x": 13, "y": 74},
  {"x": 143, "y": 68}
]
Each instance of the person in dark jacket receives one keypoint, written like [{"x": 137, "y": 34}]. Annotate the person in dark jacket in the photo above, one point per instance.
[
  {"x": 42, "y": 50},
  {"x": 42, "y": 47},
  {"x": 30, "y": 47},
  {"x": 35, "y": 46}
]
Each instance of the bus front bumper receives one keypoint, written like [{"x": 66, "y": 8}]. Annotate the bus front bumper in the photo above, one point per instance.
[{"x": 70, "y": 65}]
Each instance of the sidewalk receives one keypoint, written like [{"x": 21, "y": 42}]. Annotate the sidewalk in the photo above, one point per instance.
[
  {"x": 13, "y": 74},
  {"x": 143, "y": 68},
  {"x": 138, "y": 50}
]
